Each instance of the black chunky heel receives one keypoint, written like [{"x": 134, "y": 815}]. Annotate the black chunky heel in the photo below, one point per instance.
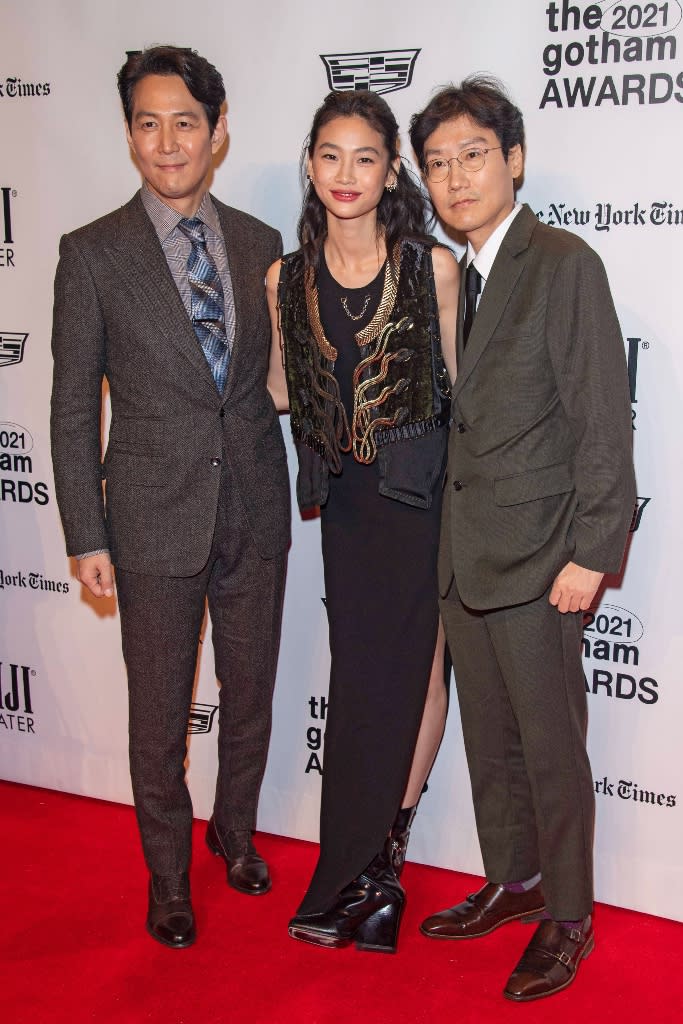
[{"x": 379, "y": 933}]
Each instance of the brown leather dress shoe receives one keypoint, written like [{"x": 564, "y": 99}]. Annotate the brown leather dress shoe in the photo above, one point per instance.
[
  {"x": 550, "y": 961},
  {"x": 169, "y": 912},
  {"x": 484, "y": 911},
  {"x": 247, "y": 871}
]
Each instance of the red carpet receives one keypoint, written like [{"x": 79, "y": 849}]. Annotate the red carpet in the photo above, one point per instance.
[{"x": 73, "y": 890}]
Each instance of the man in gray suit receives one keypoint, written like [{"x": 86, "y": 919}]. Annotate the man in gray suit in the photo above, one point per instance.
[
  {"x": 165, "y": 297},
  {"x": 538, "y": 499}
]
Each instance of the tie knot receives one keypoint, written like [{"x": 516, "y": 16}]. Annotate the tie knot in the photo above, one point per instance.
[{"x": 193, "y": 228}]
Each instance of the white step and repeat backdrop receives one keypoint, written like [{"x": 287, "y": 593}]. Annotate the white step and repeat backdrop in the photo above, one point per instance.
[{"x": 601, "y": 86}]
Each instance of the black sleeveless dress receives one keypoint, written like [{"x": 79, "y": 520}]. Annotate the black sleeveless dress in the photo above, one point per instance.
[{"x": 379, "y": 558}]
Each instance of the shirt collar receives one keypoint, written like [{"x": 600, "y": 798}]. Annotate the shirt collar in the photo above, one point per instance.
[
  {"x": 165, "y": 219},
  {"x": 483, "y": 260}
]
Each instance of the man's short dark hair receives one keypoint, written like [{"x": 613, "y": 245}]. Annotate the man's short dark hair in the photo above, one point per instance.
[
  {"x": 481, "y": 98},
  {"x": 200, "y": 77}
]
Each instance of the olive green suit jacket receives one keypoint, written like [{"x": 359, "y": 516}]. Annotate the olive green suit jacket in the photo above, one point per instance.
[{"x": 540, "y": 467}]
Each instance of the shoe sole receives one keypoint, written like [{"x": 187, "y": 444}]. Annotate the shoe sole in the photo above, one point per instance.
[
  {"x": 165, "y": 942},
  {"x": 251, "y": 892},
  {"x": 365, "y": 948},
  {"x": 314, "y": 939},
  {"x": 590, "y": 946},
  {"x": 332, "y": 943},
  {"x": 529, "y": 918}
]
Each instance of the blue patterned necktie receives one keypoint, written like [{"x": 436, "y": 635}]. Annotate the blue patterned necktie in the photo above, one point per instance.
[{"x": 207, "y": 303}]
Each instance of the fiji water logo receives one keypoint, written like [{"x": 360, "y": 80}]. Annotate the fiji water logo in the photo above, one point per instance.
[{"x": 16, "y": 701}]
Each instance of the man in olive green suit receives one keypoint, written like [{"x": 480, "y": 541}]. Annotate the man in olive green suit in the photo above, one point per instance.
[{"x": 538, "y": 499}]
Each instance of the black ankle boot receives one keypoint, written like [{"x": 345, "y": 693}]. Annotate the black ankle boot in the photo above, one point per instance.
[
  {"x": 368, "y": 912},
  {"x": 169, "y": 912},
  {"x": 398, "y": 837}
]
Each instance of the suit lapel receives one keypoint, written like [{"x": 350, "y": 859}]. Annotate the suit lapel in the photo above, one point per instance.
[
  {"x": 140, "y": 259},
  {"x": 505, "y": 272}
]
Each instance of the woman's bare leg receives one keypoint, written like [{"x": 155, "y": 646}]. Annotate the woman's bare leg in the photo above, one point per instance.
[{"x": 431, "y": 729}]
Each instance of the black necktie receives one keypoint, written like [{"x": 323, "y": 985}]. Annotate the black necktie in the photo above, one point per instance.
[{"x": 472, "y": 290}]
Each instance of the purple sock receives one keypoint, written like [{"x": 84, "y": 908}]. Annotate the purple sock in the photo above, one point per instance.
[
  {"x": 523, "y": 886},
  {"x": 580, "y": 926}
]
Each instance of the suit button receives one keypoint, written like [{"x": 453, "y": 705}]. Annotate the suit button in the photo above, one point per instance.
[
  {"x": 215, "y": 462},
  {"x": 222, "y": 413},
  {"x": 458, "y": 485},
  {"x": 461, "y": 428}
]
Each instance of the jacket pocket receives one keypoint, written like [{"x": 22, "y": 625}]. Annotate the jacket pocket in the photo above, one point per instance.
[
  {"x": 123, "y": 467},
  {"x": 534, "y": 484},
  {"x": 144, "y": 435}
]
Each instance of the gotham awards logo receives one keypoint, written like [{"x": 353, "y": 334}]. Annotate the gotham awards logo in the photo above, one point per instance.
[
  {"x": 17, "y": 483},
  {"x": 615, "y": 656},
  {"x": 611, "y": 54},
  {"x": 376, "y": 71}
]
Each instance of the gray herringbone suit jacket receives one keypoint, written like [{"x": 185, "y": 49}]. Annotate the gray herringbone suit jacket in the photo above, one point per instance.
[{"x": 118, "y": 314}]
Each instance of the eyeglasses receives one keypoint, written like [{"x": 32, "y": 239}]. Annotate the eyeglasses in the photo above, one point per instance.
[{"x": 470, "y": 160}]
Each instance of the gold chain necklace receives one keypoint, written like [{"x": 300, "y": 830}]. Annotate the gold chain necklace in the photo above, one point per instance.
[
  {"x": 379, "y": 320},
  {"x": 354, "y": 316}
]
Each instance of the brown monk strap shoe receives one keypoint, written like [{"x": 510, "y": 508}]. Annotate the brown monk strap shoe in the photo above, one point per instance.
[
  {"x": 169, "y": 913},
  {"x": 484, "y": 911},
  {"x": 550, "y": 961},
  {"x": 247, "y": 871}
]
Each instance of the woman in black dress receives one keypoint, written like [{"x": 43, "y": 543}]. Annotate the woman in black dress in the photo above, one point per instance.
[{"x": 363, "y": 356}]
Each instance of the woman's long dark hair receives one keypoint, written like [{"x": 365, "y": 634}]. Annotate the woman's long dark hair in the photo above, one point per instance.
[{"x": 400, "y": 214}]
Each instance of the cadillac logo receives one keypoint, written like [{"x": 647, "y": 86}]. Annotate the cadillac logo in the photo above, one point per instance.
[
  {"x": 378, "y": 71},
  {"x": 11, "y": 347},
  {"x": 201, "y": 717}
]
